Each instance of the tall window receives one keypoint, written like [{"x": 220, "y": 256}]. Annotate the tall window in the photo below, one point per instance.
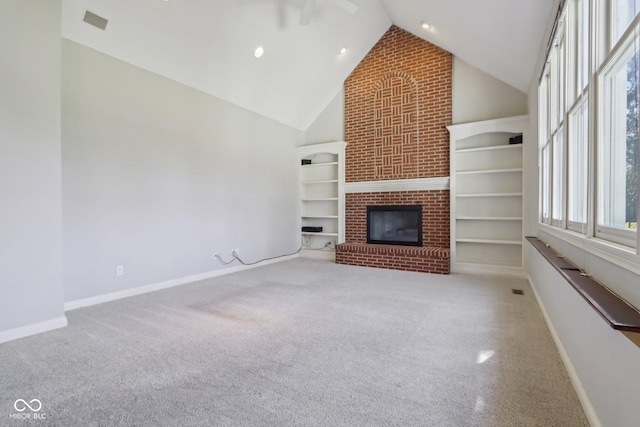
[
  {"x": 577, "y": 160},
  {"x": 545, "y": 160},
  {"x": 589, "y": 141},
  {"x": 618, "y": 146}
]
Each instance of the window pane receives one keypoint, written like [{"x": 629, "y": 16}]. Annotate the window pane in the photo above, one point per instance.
[
  {"x": 577, "y": 163},
  {"x": 543, "y": 110},
  {"x": 546, "y": 171},
  {"x": 571, "y": 51},
  {"x": 577, "y": 47},
  {"x": 562, "y": 105},
  {"x": 553, "y": 90},
  {"x": 583, "y": 43},
  {"x": 558, "y": 167},
  {"x": 622, "y": 13},
  {"x": 618, "y": 148}
]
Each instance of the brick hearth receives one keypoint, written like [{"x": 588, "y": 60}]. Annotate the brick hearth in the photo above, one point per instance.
[{"x": 409, "y": 258}]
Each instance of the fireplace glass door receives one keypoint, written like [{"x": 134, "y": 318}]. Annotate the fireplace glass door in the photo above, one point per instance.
[{"x": 395, "y": 225}]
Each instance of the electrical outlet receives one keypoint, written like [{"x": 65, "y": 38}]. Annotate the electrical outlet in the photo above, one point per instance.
[
  {"x": 235, "y": 253},
  {"x": 332, "y": 244},
  {"x": 120, "y": 270}
]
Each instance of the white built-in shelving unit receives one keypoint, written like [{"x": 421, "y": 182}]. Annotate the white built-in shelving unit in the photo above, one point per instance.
[
  {"x": 322, "y": 198},
  {"x": 487, "y": 196}
]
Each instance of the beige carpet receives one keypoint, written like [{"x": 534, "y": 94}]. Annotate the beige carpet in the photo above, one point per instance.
[{"x": 300, "y": 343}]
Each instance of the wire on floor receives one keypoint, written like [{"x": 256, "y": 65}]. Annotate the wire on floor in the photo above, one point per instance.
[{"x": 241, "y": 261}]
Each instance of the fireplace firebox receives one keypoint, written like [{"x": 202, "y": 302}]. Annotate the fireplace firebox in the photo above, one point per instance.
[{"x": 395, "y": 225}]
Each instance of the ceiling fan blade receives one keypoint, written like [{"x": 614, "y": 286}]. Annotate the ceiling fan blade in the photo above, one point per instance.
[
  {"x": 307, "y": 11},
  {"x": 347, "y": 5}
]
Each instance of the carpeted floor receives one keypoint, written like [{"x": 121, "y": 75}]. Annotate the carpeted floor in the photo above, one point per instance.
[{"x": 299, "y": 343}]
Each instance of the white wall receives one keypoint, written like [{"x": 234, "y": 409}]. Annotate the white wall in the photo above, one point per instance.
[
  {"x": 329, "y": 125},
  {"x": 158, "y": 176},
  {"x": 478, "y": 96},
  {"x": 30, "y": 213},
  {"x": 604, "y": 363}
]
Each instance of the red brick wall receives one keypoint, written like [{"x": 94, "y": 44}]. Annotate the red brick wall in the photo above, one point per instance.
[
  {"x": 397, "y": 104},
  {"x": 435, "y": 214}
]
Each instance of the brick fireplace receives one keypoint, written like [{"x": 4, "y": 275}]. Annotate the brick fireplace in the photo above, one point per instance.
[{"x": 397, "y": 104}]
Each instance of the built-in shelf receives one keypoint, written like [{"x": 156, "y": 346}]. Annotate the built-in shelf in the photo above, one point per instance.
[
  {"x": 489, "y": 218},
  {"x": 490, "y": 241},
  {"x": 503, "y": 267},
  {"x": 490, "y": 195},
  {"x": 491, "y": 148},
  {"x": 321, "y": 198},
  {"x": 322, "y": 164},
  {"x": 324, "y": 181},
  {"x": 305, "y": 233},
  {"x": 487, "y": 196},
  {"x": 485, "y": 171}
]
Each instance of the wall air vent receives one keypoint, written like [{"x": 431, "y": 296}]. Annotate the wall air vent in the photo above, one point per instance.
[{"x": 95, "y": 20}]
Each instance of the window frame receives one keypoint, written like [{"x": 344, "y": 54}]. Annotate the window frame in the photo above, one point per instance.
[
  {"x": 558, "y": 177},
  {"x": 630, "y": 38},
  {"x": 620, "y": 248},
  {"x": 545, "y": 181},
  {"x": 580, "y": 113}
]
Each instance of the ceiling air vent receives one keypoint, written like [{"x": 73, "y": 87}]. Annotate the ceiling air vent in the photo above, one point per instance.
[{"x": 95, "y": 20}]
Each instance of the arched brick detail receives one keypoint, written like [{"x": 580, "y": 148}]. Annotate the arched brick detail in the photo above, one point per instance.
[{"x": 395, "y": 128}]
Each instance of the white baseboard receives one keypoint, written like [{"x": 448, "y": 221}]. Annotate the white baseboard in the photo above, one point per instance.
[
  {"x": 588, "y": 408},
  {"x": 99, "y": 299},
  {"x": 33, "y": 329}
]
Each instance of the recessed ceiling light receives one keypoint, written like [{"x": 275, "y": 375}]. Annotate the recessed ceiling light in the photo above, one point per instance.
[
  {"x": 426, "y": 26},
  {"x": 343, "y": 50},
  {"x": 258, "y": 52}
]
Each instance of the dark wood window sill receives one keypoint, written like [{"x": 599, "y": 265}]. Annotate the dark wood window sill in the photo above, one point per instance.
[{"x": 614, "y": 310}]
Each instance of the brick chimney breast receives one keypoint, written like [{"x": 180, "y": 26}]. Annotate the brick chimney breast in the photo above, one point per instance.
[{"x": 397, "y": 104}]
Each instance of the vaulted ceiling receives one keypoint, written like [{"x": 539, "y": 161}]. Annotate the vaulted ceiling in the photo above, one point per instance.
[{"x": 209, "y": 44}]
